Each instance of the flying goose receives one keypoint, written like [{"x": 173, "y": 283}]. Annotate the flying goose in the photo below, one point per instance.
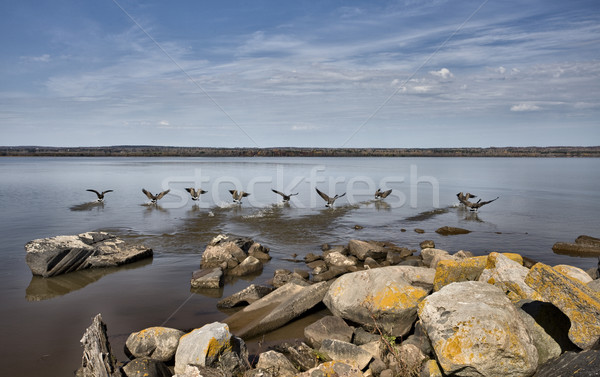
[
  {"x": 328, "y": 199},
  {"x": 195, "y": 193},
  {"x": 382, "y": 194},
  {"x": 464, "y": 199},
  {"x": 238, "y": 195},
  {"x": 155, "y": 198},
  {"x": 99, "y": 194},
  {"x": 286, "y": 198}
]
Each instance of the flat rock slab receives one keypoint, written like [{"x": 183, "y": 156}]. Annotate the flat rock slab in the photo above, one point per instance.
[
  {"x": 276, "y": 309},
  {"x": 581, "y": 364},
  {"x": 62, "y": 254},
  {"x": 450, "y": 230},
  {"x": 246, "y": 296}
]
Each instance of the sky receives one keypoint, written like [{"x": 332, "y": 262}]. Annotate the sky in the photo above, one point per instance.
[{"x": 406, "y": 74}]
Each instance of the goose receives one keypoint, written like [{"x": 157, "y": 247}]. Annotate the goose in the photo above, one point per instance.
[
  {"x": 464, "y": 199},
  {"x": 195, "y": 193},
  {"x": 238, "y": 195},
  {"x": 382, "y": 194},
  {"x": 286, "y": 198},
  {"x": 155, "y": 198},
  {"x": 99, "y": 194},
  {"x": 328, "y": 199}
]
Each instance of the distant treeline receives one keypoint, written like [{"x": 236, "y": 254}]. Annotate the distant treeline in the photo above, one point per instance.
[{"x": 158, "y": 151}]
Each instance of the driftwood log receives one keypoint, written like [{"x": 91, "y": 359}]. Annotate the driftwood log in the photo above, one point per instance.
[{"x": 97, "y": 360}]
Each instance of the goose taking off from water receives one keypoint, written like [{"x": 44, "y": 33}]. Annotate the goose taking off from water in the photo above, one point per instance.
[
  {"x": 382, "y": 194},
  {"x": 286, "y": 198},
  {"x": 329, "y": 200},
  {"x": 195, "y": 193},
  {"x": 155, "y": 198},
  {"x": 238, "y": 195},
  {"x": 99, "y": 194},
  {"x": 464, "y": 199}
]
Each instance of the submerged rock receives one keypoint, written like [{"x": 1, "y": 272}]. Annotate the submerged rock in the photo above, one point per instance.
[
  {"x": 476, "y": 331},
  {"x": 450, "y": 230},
  {"x": 62, "y": 254},
  {"x": 584, "y": 246}
]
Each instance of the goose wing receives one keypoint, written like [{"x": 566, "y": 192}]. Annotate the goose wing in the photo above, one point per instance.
[
  {"x": 104, "y": 192},
  {"x": 480, "y": 203},
  {"x": 278, "y": 192},
  {"x": 339, "y": 196},
  {"x": 323, "y": 195},
  {"x": 244, "y": 194},
  {"x": 148, "y": 194},
  {"x": 385, "y": 193},
  {"x": 96, "y": 192},
  {"x": 162, "y": 194},
  {"x": 191, "y": 190}
]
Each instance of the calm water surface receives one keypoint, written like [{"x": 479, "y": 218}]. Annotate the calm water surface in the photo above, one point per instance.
[{"x": 542, "y": 201}]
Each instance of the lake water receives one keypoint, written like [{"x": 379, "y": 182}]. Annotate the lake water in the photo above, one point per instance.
[{"x": 541, "y": 201}]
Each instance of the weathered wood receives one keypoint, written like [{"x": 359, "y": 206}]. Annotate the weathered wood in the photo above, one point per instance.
[{"x": 97, "y": 360}]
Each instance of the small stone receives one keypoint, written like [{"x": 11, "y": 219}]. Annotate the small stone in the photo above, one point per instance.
[
  {"x": 208, "y": 278},
  {"x": 427, "y": 244}
]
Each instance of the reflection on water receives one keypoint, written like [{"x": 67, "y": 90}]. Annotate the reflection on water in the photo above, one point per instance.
[
  {"x": 426, "y": 215},
  {"x": 88, "y": 206},
  {"x": 41, "y": 288}
]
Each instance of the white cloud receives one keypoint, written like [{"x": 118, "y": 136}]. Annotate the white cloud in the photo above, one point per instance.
[
  {"x": 164, "y": 123},
  {"x": 303, "y": 127},
  {"x": 45, "y": 58},
  {"x": 443, "y": 73},
  {"x": 525, "y": 107}
]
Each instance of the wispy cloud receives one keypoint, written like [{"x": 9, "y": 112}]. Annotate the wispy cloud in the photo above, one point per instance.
[{"x": 525, "y": 107}]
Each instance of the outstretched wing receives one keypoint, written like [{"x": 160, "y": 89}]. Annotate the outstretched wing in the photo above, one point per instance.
[
  {"x": 191, "y": 190},
  {"x": 233, "y": 192},
  {"x": 94, "y": 191},
  {"x": 162, "y": 194},
  {"x": 104, "y": 192},
  {"x": 480, "y": 203},
  {"x": 385, "y": 193},
  {"x": 244, "y": 194},
  {"x": 339, "y": 196},
  {"x": 323, "y": 195},
  {"x": 278, "y": 192},
  {"x": 148, "y": 194}
]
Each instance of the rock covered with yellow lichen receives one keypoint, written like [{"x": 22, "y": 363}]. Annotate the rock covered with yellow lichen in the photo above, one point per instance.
[
  {"x": 157, "y": 343},
  {"x": 385, "y": 295},
  {"x": 573, "y": 298},
  {"x": 210, "y": 346},
  {"x": 508, "y": 275},
  {"x": 476, "y": 331}
]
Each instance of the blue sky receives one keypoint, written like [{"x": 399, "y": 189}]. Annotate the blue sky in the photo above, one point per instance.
[{"x": 275, "y": 73}]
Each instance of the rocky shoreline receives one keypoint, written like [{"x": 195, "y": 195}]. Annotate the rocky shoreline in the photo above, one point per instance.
[{"x": 394, "y": 312}]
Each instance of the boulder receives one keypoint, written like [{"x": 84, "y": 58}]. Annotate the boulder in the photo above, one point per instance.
[
  {"x": 362, "y": 336},
  {"x": 250, "y": 265},
  {"x": 246, "y": 296},
  {"x": 584, "y": 246},
  {"x": 554, "y": 322},
  {"x": 450, "y": 230},
  {"x": 310, "y": 257},
  {"x": 547, "y": 348},
  {"x": 61, "y": 254},
  {"x": 259, "y": 252},
  {"x": 333, "y": 368},
  {"x": 329, "y": 327},
  {"x": 427, "y": 244},
  {"x": 157, "y": 343},
  {"x": 276, "y": 364},
  {"x": 580, "y": 364},
  {"x": 383, "y": 295},
  {"x": 97, "y": 359},
  {"x": 302, "y": 356},
  {"x": 573, "y": 298},
  {"x": 476, "y": 331},
  {"x": 212, "y": 345},
  {"x": 349, "y": 353},
  {"x": 407, "y": 360},
  {"x": 431, "y": 369},
  {"x": 467, "y": 269},
  {"x": 207, "y": 278},
  {"x": 276, "y": 309},
  {"x": 338, "y": 259},
  {"x": 363, "y": 249},
  {"x": 430, "y": 253},
  {"x": 574, "y": 272},
  {"x": 331, "y": 273},
  {"x": 146, "y": 367},
  {"x": 371, "y": 263},
  {"x": 594, "y": 285},
  {"x": 509, "y": 276},
  {"x": 318, "y": 266},
  {"x": 223, "y": 253}
]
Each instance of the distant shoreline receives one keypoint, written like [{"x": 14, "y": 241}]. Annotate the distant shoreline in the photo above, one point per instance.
[{"x": 166, "y": 151}]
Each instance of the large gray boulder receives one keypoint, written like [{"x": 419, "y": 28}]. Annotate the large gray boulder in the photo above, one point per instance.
[
  {"x": 250, "y": 265},
  {"x": 384, "y": 295},
  {"x": 363, "y": 249},
  {"x": 98, "y": 359},
  {"x": 580, "y": 364},
  {"x": 476, "y": 331},
  {"x": 276, "y": 309},
  {"x": 226, "y": 254},
  {"x": 212, "y": 346},
  {"x": 246, "y": 296},
  {"x": 509, "y": 276},
  {"x": 329, "y": 327},
  {"x": 276, "y": 364},
  {"x": 61, "y": 254},
  {"x": 157, "y": 343}
]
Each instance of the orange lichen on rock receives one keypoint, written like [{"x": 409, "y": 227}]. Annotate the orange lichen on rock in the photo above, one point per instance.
[{"x": 395, "y": 296}]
